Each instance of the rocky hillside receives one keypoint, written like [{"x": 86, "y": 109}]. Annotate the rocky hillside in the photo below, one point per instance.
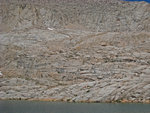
[
  {"x": 77, "y": 51},
  {"x": 101, "y": 15}
]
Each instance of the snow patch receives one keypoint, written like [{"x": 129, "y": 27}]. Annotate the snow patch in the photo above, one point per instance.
[
  {"x": 1, "y": 73},
  {"x": 51, "y": 29}
]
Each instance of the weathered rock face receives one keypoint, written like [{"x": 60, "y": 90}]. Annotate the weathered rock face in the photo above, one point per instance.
[
  {"x": 53, "y": 52},
  {"x": 96, "y": 16}
]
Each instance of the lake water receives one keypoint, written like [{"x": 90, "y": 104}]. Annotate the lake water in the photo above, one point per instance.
[{"x": 59, "y": 107}]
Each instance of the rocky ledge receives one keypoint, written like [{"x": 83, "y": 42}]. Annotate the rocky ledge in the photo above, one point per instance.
[{"x": 75, "y": 62}]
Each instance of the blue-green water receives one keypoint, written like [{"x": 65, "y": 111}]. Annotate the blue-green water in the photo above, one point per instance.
[{"x": 58, "y": 107}]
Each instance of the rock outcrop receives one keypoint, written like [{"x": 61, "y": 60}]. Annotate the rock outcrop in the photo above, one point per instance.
[
  {"x": 101, "y": 15},
  {"x": 75, "y": 51}
]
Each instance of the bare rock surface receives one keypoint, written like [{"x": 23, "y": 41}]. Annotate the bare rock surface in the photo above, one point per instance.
[
  {"x": 99, "y": 15},
  {"x": 67, "y": 52}
]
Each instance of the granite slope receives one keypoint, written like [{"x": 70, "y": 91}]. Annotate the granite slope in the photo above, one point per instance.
[{"x": 57, "y": 53}]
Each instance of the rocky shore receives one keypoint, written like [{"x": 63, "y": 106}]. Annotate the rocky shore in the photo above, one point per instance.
[{"x": 67, "y": 52}]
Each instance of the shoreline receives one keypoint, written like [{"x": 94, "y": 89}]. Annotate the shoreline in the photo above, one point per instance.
[{"x": 123, "y": 101}]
